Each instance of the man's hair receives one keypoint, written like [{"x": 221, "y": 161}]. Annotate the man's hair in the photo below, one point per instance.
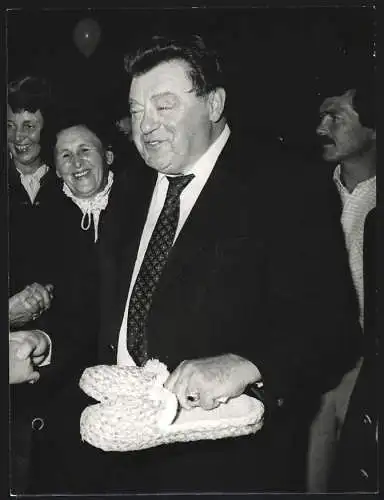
[
  {"x": 364, "y": 105},
  {"x": 204, "y": 71},
  {"x": 33, "y": 93},
  {"x": 363, "y": 101}
]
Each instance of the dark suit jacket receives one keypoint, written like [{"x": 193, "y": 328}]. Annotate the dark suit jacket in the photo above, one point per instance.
[
  {"x": 357, "y": 461},
  {"x": 253, "y": 272}
]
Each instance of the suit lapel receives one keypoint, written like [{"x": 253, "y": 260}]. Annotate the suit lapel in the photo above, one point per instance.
[
  {"x": 206, "y": 221},
  {"x": 127, "y": 219}
]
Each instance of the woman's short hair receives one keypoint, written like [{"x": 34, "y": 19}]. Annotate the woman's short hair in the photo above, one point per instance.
[
  {"x": 29, "y": 93},
  {"x": 95, "y": 123},
  {"x": 33, "y": 93},
  {"x": 205, "y": 69}
]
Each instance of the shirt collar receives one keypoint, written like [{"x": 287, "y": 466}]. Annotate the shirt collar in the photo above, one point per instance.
[
  {"x": 204, "y": 165},
  {"x": 37, "y": 175},
  {"x": 340, "y": 186}
]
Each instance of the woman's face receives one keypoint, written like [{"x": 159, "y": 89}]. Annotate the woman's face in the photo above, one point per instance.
[
  {"x": 23, "y": 134},
  {"x": 81, "y": 161}
]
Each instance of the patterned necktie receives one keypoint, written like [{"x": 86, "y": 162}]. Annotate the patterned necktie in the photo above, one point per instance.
[{"x": 151, "y": 268}]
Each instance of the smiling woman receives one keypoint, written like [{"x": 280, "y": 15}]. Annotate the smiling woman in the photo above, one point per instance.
[
  {"x": 32, "y": 191},
  {"x": 83, "y": 159},
  {"x": 33, "y": 186}
]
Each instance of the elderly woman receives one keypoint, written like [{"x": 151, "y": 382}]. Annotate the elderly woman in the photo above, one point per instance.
[
  {"x": 82, "y": 160},
  {"x": 70, "y": 325},
  {"x": 83, "y": 163}
]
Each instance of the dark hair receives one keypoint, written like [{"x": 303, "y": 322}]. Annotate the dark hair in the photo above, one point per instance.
[
  {"x": 205, "y": 70},
  {"x": 364, "y": 104},
  {"x": 92, "y": 121},
  {"x": 363, "y": 100},
  {"x": 33, "y": 93},
  {"x": 29, "y": 93}
]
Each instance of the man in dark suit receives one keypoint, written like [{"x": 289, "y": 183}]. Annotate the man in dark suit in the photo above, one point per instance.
[
  {"x": 200, "y": 270},
  {"x": 356, "y": 465}
]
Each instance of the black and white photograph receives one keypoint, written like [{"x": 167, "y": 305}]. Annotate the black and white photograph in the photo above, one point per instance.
[{"x": 191, "y": 241}]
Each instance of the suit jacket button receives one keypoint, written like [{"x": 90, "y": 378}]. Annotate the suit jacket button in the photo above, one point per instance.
[
  {"x": 112, "y": 347},
  {"x": 280, "y": 402},
  {"x": 37, "y": 424},
  {"x": 367, "y": 419}
]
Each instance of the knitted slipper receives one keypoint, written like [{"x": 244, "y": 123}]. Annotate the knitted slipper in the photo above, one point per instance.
[
  {"x": 105, "y": 382},
  {"x": 137, "y": 412}
]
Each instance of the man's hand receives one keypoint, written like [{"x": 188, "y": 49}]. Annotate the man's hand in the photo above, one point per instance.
[
  {"x": 210, "y": 381},
  {"x": 28, "y": 304},
  {"x": 26, "y": 350}
]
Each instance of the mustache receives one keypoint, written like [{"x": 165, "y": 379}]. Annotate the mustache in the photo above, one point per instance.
[{"x": 325, "y": 140}]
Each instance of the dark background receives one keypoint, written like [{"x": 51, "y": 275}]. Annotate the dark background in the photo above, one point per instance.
[{"x": 280, "y": 61}]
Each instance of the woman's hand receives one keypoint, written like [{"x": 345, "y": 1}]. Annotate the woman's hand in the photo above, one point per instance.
[
  {"x": 29, "y": 304},
  {"x": 26, "y": 350}
]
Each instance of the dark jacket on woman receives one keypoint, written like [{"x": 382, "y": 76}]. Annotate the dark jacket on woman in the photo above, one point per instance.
[
  {"x": 31, "y": 226},
  {"x": 47, "y": 245}
]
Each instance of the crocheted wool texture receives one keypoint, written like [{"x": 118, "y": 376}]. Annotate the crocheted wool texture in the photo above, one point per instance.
[{"x": 136, "y": 412}]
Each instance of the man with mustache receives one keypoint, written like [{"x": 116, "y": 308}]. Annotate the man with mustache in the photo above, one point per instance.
[{"x": 347, "y": 131}]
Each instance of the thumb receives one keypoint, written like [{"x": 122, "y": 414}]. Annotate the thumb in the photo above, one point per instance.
[
  {"x": 25, "y": 350},
  {"x": 207, "y": 402},
  {"x": 34, "y": 377}
]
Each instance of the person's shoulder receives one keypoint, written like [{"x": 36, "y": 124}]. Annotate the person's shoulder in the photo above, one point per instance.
[{"x": 130, "y": 179}]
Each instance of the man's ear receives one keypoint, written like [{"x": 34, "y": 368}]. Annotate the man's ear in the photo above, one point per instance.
[
  {"x": 216, "y": 102},
  {"x": 109, "y": 157},
  {"x": 58, "y": 174}
]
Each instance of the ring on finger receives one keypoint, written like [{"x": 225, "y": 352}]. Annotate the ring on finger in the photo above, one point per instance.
[{"x": 193, "y": 397}]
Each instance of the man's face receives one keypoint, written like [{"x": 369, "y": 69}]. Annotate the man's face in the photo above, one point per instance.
[
  {"x": 80, "y": 161},
  {"x": 340, "y": 129},
  {"x": 171, "y": 126},
  {"x": 23, "y": 135}
]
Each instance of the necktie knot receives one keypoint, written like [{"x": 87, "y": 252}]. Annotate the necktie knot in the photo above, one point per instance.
[{"x": 178, "y": 183}]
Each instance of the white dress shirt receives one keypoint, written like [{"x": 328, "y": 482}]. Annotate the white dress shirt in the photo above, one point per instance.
[
  {"x": 356, "y": 206},
  {"x": 31, "y": 182},
  {"x": 202, "y": 170}
]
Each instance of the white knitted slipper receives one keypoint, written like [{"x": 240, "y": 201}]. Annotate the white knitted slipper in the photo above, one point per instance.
[{"x": 136, "y": 412}]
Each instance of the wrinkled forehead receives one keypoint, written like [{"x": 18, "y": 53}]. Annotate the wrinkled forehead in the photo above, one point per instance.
[{"x": 73, "y": 136}]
